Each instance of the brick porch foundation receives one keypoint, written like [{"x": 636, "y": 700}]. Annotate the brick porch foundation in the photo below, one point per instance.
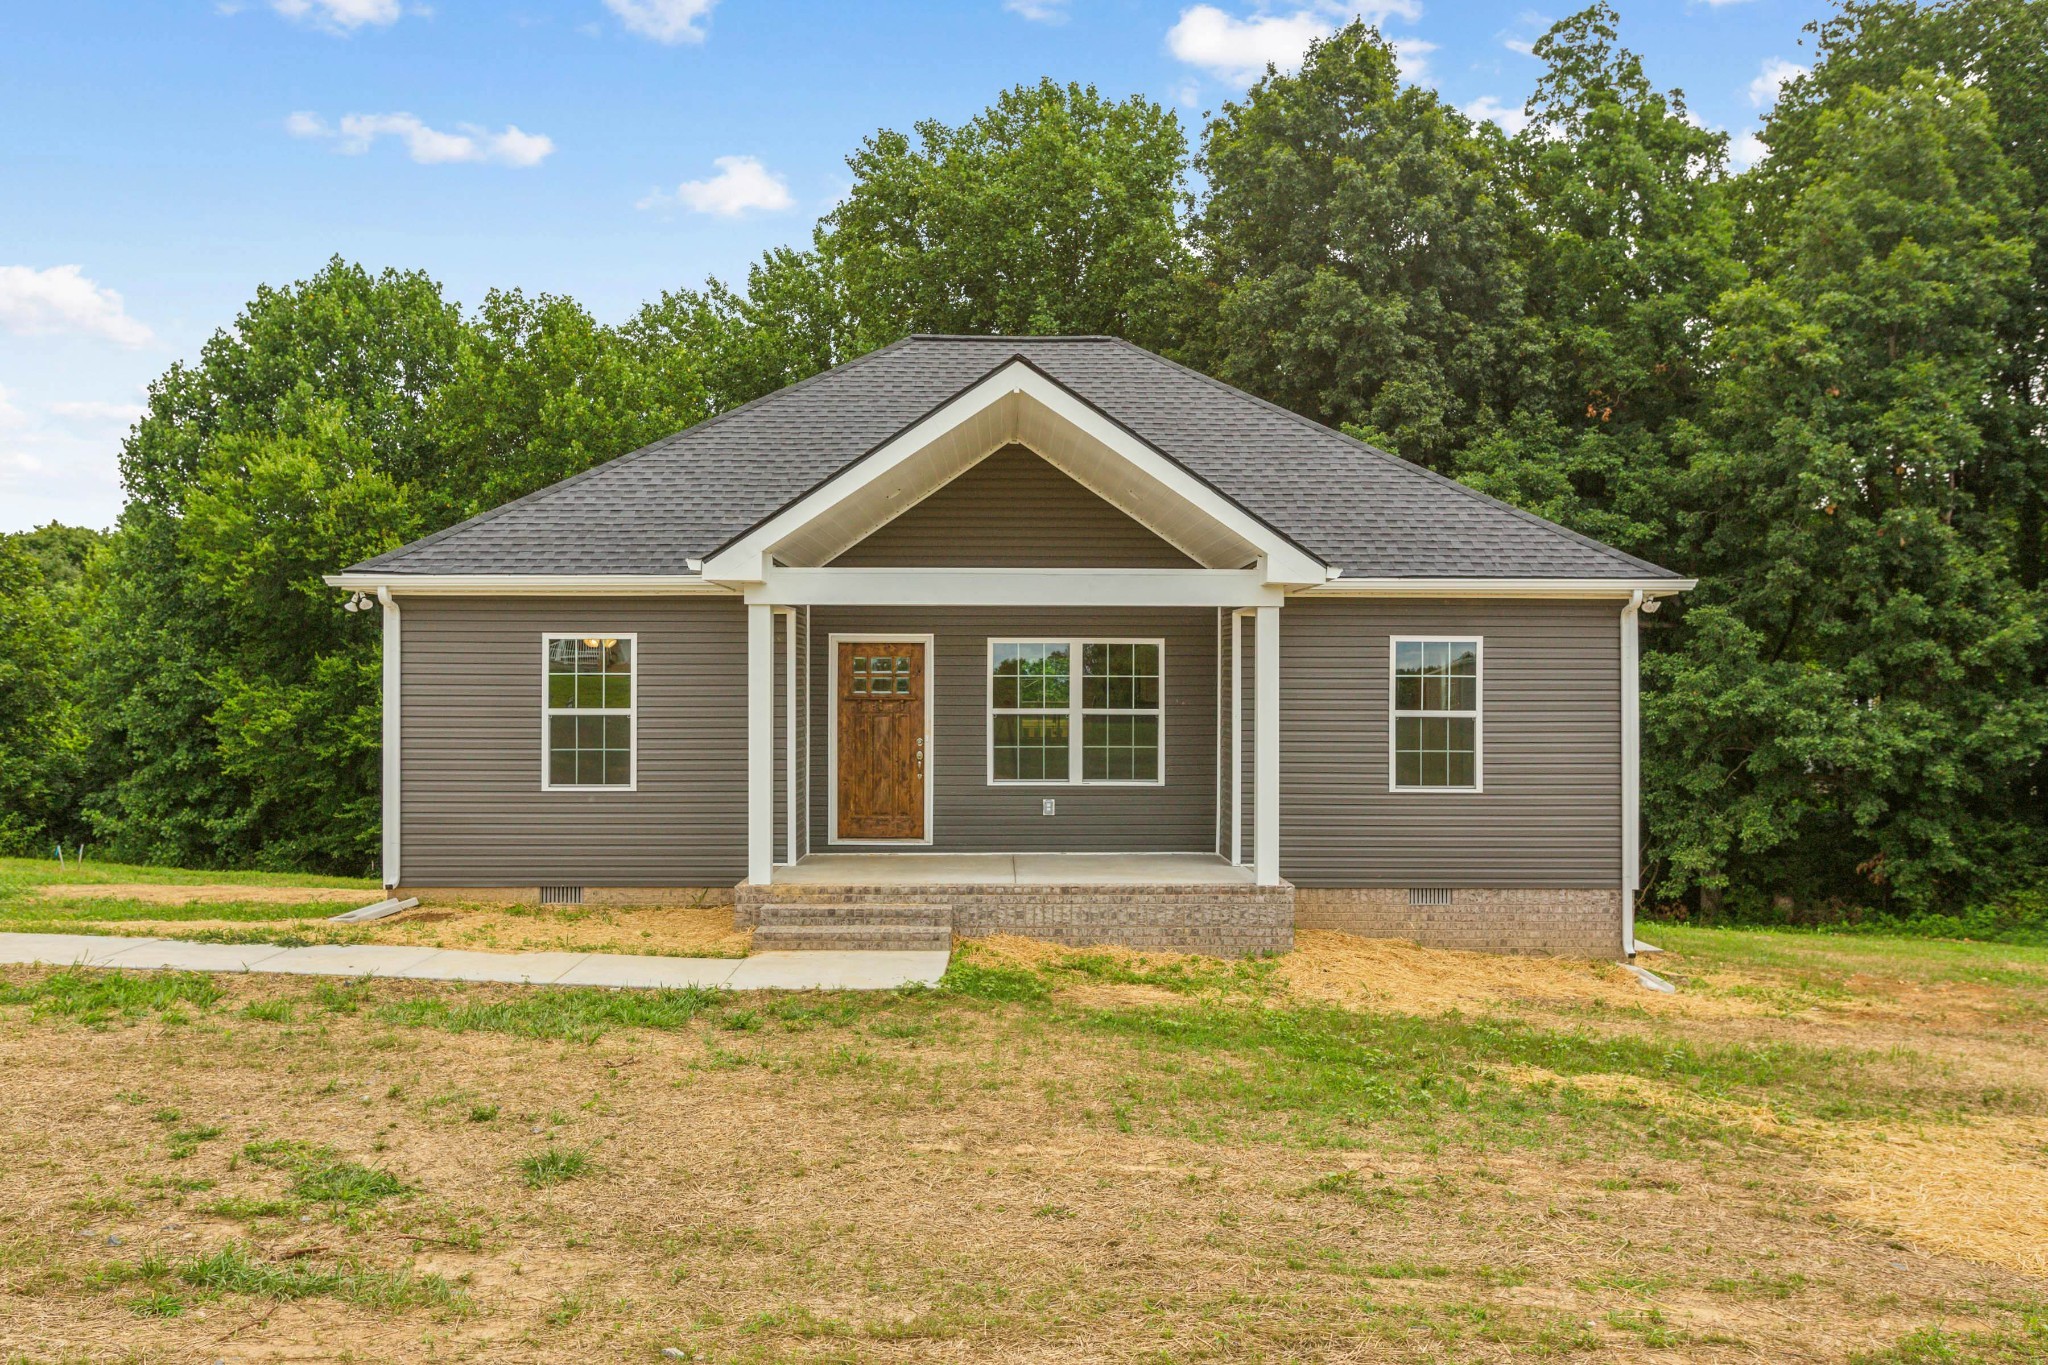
[
  {"x": 1561, "y": 923},
  {"x": 1226, "y": 921}
]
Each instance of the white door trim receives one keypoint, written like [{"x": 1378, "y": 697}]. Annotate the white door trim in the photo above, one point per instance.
[{"x": 931, "y": 743}]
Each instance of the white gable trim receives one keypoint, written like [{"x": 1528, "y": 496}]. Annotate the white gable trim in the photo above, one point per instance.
[{"x": 1280, "y": 562}]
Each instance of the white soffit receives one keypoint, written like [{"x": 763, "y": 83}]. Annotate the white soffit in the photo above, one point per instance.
[{"x": 1016, "y": 404}]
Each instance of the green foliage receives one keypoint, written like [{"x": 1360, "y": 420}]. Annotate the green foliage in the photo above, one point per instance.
[
  {"x": 1052, "y": 211},
  {"x": 1359, "y": 253},
  {"x": 41, "y": 736}
]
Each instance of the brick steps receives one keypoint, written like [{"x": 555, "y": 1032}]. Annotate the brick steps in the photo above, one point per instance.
[
  {"x": 866, "y": 926},
  {"x": 867, "y": 938}
]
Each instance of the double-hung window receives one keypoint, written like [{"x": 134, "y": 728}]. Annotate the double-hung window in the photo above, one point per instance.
[
  {"x": 1076, "y": 711},
  {"x": 590, "y": 687},
  {"x": 1436, "y": 738}
]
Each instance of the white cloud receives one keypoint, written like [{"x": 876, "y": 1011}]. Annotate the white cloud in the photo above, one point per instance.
[
  {"x": 97, "y": 412},
  {"x": 343, "y": 16},
  {"x": 429, "y": 146},
  {"x": 1511, "y": 118},
  {"x": 741, "y": 185},
  {"x": 1240, "y": 50},
  {"x": 61, "y": 299},
  {"x": 1746, "y": 150},
  {"x": 1039, "y": 11},
  {"x": 1776, "y": 71},
  {"x": 665, "y": 21},
  {"x": 66, "y": 470},
  {"x": 1525, "y": 46},
  {"x": 1411, "y": 59}
]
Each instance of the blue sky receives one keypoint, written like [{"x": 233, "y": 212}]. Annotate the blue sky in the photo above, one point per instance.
[{"x": 163, "y": 159}]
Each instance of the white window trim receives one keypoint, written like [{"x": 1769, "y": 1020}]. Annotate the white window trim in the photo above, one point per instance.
[
  {"x": 632, "y": 711},
  {"x": 931, "y": 739},
  {"x": 1477, "y": 714},
  {"x": 1075, "y": 711}
]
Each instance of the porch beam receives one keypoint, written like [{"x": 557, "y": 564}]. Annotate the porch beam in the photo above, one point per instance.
[
  {"x": 760, "y": 743},
  {"x": 1014, "y": 588},
  {"x": 1266, "y": 748}
]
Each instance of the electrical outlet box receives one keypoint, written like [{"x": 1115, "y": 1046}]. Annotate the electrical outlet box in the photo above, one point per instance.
[{"x": 1045, "y": 807}]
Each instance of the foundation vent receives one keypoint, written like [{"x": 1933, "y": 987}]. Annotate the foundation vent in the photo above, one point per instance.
[
  {"x": 1429, "y": 895},
  {"x": 561, "y": 895}
]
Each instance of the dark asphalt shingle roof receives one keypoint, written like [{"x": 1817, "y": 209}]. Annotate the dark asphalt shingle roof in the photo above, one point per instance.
[{"x": 1356, "y": 508}]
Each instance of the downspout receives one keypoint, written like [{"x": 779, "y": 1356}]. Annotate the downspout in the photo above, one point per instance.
[
  {"x": 1631, "y": 771},
  {"x": 391, "y": 734}
]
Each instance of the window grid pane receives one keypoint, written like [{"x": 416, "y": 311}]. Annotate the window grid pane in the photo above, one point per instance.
[
  {"x": 1436, "y": 713},
  {"x": 589, "y": 702},
  {"x": 1118, "y": 704}
]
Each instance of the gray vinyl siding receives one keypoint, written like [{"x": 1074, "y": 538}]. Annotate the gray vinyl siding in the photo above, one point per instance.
[
  {"x": 1013, "y": 510},
  {"x": 970, "y": 815},
  {"x": 473, "y": 810},
  {"x": 1551, "y": 809}
]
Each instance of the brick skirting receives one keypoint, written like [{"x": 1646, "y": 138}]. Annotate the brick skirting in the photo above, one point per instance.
[
  {"x": 1562, "y": 923},
  {"x": 1225, "y": 921}
]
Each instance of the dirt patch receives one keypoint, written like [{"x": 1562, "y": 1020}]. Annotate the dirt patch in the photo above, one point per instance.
[
  {"x": 671, "y": 932},
  {"x": 156, "y": 894},
  {"x": 1977, "y": 1190},
  {"x": 1393, "y": 974}
]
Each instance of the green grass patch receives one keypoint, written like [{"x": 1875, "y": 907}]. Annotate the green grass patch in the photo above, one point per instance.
[
  {"x": 561, "y": 1013},
  {"x": 320, "y": 1176},
  {"x": 234, "y": 1270},
  {"x": 96, "y": 997},
  {"x": 554, "y": 1166}
]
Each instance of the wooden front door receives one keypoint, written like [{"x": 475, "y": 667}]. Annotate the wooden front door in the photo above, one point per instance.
[{"x": 881, "y": 693}]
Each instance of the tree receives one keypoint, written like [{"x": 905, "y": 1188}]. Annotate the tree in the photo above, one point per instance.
[
  {"x": 1626, "y": 241},
  {"x": 1360, "y": 254},
  {"x": 234, "y": 701},
  {"x": 1855, "y": 700},
  {"x": 40, "y": 742},
  {"x": 1051, "y": 211}
]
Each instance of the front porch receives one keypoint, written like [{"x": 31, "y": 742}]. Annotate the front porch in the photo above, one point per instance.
[{"x": 1186, "y": 902}]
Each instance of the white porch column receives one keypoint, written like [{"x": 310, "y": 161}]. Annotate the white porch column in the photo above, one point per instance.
[
  {"x": 760, "y": 743},
  {"x": 1266, "y": 748}
]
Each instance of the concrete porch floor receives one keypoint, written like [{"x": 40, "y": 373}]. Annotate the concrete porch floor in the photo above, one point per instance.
[{"x": 1012, "y": 869}]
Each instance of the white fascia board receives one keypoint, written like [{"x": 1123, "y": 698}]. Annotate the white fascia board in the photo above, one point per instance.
[
  {"x": 1497, "y": 587},
  {"x": 830, "y": 587},
  {"x": 746, "y": 559},
  {"x": 512, "y": 584}
]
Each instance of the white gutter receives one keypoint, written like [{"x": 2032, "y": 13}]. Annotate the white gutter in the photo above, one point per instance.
[
  {"x": 1631, "y": 772},
  {"x": 389, "y": 816},
  {"x": 514, "y": 584},
  {"x": 1497, "y": 587}
]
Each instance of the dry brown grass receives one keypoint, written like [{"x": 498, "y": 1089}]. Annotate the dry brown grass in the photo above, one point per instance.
[
  {"x": 941, "y": 1178},
  {"x": 154, "y": 893}
]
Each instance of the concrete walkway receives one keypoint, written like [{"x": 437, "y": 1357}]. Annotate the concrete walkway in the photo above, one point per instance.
[{"x": 761, "y": 972}]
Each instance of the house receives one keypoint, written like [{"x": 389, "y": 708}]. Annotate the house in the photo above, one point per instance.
[{"x": 1046, "y": 634}]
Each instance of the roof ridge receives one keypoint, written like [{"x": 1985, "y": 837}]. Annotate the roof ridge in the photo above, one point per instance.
[
  {"x": 491, "y": 513},
  {"x": 1409, "y": 465},
  {"x": 1009, "y": 337}
]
